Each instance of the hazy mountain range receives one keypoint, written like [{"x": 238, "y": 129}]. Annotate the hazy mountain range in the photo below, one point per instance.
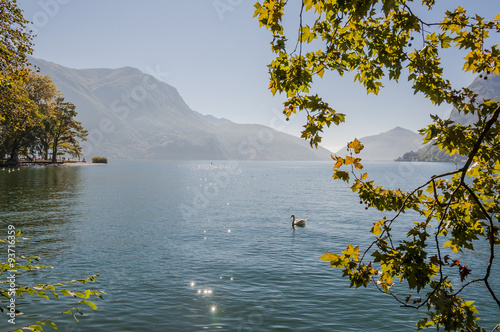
[
  {"x": 388, "y": 145},
  {"x": 130, "y": 115}
]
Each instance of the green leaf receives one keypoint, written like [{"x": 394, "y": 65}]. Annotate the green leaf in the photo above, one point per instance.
[
  {"x": 54, "y": 326},
  {"x": 90, "y": 304},
  {"x": 342, "y": 175},
  {"x": 42, "y": 294},
  {"x": 35, "y": 328}
]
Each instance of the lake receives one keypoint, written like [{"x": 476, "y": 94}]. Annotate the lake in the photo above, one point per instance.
[{"x": 200, "y": 245}]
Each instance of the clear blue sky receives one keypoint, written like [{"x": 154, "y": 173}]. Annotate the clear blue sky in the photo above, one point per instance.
[{"x": 214, "y": 53}]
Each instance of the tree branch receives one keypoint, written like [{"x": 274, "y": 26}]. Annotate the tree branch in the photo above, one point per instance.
[
  {"x": 48, "y": 318},
  {"x": 477, "y": 145}
]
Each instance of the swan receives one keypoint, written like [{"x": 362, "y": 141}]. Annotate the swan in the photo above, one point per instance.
[{"x": 298, "y": 222}]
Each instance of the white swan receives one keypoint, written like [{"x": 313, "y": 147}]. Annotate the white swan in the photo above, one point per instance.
[{"x": 298, "y": 222}]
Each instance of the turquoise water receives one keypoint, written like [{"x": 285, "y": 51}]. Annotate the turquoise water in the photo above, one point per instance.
[{"x": 195, "y": 246}]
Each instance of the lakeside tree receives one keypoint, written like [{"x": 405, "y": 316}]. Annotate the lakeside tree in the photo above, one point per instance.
[
  {"x": 39, "y": 91},
  {"x": 66, "y": 131},
  {"x": 52, "y": 126},
  {"x": 377, "y": 40},
  {"x": 28, "y": 102}
]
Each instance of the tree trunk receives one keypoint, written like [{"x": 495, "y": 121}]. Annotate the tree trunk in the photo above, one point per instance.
[
  {"x": 54, "y": 150},
  {"x": 14, "y": 155},
  {"x": 14, "y": 152}
]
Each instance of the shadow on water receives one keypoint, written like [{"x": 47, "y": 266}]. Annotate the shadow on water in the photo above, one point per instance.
[
  {"x": 43, "y": 203},
  {"x": 40, "y": 202}
]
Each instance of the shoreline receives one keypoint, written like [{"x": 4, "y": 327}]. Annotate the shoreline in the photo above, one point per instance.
[
  {"x": 81, "y": 163},
  {"x": 49, "y": 164}
]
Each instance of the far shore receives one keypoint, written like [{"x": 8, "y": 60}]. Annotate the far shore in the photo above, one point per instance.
[
  {"x": 81, "y": 163},
  {"x": 49, "y": 163}
]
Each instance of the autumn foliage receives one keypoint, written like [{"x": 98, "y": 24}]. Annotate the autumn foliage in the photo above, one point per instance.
[{"x": 377, "y": 40}]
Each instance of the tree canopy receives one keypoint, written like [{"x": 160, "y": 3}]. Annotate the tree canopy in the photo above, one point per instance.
[
  {"x": 52, "y": 125},
  {"x": 15, "y": 46},
  {"x": 378, "y": 40},
  {"x": 33, "y": 115}
]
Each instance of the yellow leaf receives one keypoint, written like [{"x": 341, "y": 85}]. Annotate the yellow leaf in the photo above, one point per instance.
[
  {"x": 450, "y": 244},
  {"x": 309, "y": 5},
  {"x": 358, "y": 165},
  {"x": 356, "y": 146},
  {"x": 328, "y": 256},
  {"x": 339, "y": 163},
  {"x": 321, "y": 72},
  {"x": 349, "y": 160},
  {"x": 351, "y": 251}
]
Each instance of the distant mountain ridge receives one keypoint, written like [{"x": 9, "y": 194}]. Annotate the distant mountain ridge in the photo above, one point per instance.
[
  {"x": 131, "y": 115},
  {"x": 388, "y": 145},
  {"x": 486, "y": 89}
]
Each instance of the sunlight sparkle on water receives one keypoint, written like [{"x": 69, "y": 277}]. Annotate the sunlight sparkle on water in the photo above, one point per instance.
[{"x": 213, "y": 308}]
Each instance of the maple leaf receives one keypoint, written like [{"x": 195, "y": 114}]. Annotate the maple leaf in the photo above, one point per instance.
[{"x": 464, "y": 272}]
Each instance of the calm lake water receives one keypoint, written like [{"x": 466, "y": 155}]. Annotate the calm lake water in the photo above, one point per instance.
[{"x": 195, "y": 246}]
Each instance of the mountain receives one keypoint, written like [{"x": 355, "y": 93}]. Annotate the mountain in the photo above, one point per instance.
[
  {"x": 131, "y": 115},
  {"x": 431, "y": 153},
  {"x": 388, "y": 145},
  {"x": 486, "y": 89}
]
